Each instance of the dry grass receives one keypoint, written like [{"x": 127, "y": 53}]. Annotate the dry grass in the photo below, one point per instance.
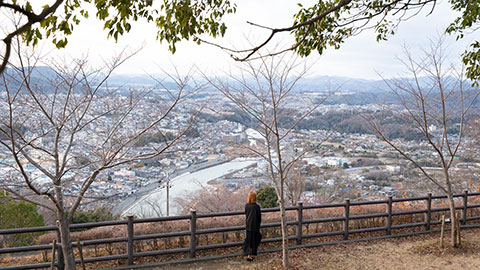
[{"x": 418, "y": 252}]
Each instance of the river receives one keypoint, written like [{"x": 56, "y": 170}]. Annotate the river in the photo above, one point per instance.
[{"x": 154, "y": 203}]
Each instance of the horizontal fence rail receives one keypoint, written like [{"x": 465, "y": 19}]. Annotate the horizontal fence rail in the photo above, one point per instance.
[{"x": 193, "y": 233}]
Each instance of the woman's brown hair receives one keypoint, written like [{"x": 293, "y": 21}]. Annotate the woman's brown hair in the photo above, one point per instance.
[{"x": 252, "y": 197}]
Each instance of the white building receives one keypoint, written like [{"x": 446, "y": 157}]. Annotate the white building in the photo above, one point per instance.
[{"x": 392, "y": 168}]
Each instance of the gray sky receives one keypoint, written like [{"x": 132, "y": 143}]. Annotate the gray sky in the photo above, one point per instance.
[{"x": 359, "y": 57}]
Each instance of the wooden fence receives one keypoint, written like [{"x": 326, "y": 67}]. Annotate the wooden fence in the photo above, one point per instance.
[{"x": 298, "y": 236}]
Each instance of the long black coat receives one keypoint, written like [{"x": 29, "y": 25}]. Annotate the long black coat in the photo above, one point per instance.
[{"x": 253, "y": 218}]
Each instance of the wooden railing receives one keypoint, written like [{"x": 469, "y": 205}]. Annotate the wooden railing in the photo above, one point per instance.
[{"x": 299, "y": 224}]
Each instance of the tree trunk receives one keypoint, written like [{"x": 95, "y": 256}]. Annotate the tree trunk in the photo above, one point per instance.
[
  {"x": 453, "y": 219},
  {"x": 451, "y": 205},
  {"x": 284, "y": 229},
  {"x": 66, "y": 240}
]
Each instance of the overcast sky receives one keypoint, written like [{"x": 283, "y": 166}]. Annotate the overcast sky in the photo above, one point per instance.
[{"x": 359, "y": 57}]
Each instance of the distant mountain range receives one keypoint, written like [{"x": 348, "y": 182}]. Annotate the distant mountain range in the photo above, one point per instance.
[
  {"x": 310, "y": 84},
  {"x": 44, "y": 76},
  {"x": 336, "y": 83},
  {"x": 136, "y": 80},
  {"x": 40, "y": 76},
  {"x": 125, "y": 81}
]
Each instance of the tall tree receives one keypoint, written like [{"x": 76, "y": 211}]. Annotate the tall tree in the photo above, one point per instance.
[
  {"x": 64, "y": 126},
  {"x": 175, "y": 20},
  {"x": 264, "y": 93},
  {"x": 434, "y": 100},
  {"x": 315, "y": 27},
  {"x": 330, "y": 23}
]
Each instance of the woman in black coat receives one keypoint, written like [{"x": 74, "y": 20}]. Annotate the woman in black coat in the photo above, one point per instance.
[{"x": 253, "y": 218}]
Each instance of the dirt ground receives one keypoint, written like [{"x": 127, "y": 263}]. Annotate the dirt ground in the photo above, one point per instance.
[{"x": 417, "y": 252}]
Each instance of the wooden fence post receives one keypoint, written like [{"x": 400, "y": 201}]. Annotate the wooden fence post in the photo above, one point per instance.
[
  {"x": 54, "y": 248},
  {"x": 457, "y": 225},
  {"x": 193, "y": 232},
  {"x": 299, "y": 222},
  {"x": 80, "y": 252},
  {"x": 61, "y": 263},
  {"x": 465, "y": 204},
  {"x": 428, "y": 215},
  {"x": 130, "y": 233},
  {"x": 389, "y": 215},
  {"x": 347, "y": 219},
  {"x": 442, "y": 230}
]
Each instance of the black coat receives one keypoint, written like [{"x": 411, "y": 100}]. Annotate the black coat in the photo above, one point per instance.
[{"x": 253, "y": 217}]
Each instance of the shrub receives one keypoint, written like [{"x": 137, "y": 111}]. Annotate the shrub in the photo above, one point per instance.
[
  {"x": 97, "y": 215},
  {"x": 18, "y": 214},
  {"x": 267, "y": 197}
]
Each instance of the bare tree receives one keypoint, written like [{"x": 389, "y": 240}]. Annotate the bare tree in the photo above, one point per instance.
[
  {"x": 435, "y": 101},
  {"x": 150, "y": 206},
  {"x": 213, "y": 199},
  {"x": 64, "y": 126},
  {"x": 295, "y": 185},
  {"x": 264, "y": 92}
]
